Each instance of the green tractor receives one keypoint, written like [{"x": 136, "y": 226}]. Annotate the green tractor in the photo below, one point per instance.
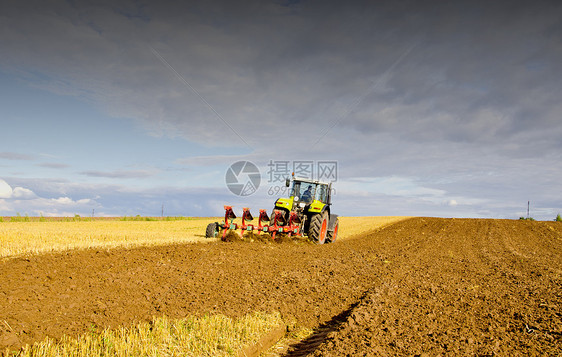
[{"x": 309, "y": 202}]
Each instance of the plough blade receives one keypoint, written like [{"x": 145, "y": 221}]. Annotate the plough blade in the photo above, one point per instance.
[
  {"x": 246, "y": 215},
  {"x": 263, "y": 216},
  {"x": 228, "y": 214}
]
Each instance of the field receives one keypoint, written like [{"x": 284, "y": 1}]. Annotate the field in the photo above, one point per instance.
[
  {"x": 42, "y": 235},
  {"x": 17, "y": 238},
  {"x": 421, "y": 286},
  {"x": 25, "y": 237}
]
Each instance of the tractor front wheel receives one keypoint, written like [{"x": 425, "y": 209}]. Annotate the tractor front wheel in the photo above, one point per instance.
[{"x": 318, "y": 227}]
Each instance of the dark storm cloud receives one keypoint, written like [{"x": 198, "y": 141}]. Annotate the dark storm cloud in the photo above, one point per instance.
[
  {"x": 15, "y": 156},
  {"x": 458, "y": 95},
  {"x": 473, "y": 71},
  {"x": 54, "y": 165},
  {"x": 481, "y": 72},
  {"x": 121, "y": 174}
]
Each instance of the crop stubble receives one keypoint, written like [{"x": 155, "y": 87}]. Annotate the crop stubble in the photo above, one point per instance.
[{"x": 424, "y": 285}]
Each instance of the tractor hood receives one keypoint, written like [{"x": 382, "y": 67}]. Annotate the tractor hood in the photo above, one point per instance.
[{"x": 286, "y": 203}]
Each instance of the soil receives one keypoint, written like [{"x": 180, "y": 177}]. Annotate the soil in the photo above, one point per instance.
[{"x": 424, "y": 286}]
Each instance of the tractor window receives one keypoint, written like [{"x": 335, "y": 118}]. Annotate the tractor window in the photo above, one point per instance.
[
  {"x": 304, "y": 191},
  {"x": 307, "y": 192},
  {"x": 296, "y": 190},
  {"x": 322, "y": 193}
]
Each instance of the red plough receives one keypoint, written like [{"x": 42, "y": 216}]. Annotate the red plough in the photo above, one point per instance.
[{"x": 277, "y": 225}]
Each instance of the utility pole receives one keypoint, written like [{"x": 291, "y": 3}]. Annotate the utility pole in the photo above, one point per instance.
[
  {"x": 93, "y": 212},
  {"x": 528, "y": 206},
  {"x": 162, "y": 210}
]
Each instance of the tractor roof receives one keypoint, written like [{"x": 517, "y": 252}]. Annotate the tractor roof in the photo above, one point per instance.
[{"x": 300, "y": 179}]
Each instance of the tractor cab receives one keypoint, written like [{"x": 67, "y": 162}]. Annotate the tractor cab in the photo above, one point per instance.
[
  {"x": 305, "y": 197},
  {"x": 307, "y": 191}
]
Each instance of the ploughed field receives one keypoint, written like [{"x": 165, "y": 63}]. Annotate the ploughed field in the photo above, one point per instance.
[{"x": 422, "y": 286}]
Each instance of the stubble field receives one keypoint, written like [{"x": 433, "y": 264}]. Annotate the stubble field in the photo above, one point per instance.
[{"x": 418, "y": 286}]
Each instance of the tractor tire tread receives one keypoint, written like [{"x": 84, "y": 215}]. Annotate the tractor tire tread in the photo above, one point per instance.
[
  {"x": 316, "y": 226},
  {"x": 330, "y": 238}
]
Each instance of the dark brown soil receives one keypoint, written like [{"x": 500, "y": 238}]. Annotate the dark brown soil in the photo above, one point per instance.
[
  {"x": 422, "y": 286},
  {"x": 460, "y": 287}
]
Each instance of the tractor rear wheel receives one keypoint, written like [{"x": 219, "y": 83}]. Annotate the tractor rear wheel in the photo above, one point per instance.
[
  {"x": 318, "y": 227},
  {"x": 212, "y": 230},
  {"x": 332, "y": 235}
]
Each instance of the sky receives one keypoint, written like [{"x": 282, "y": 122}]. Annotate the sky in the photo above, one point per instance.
[{"x": 421, "y": 108}]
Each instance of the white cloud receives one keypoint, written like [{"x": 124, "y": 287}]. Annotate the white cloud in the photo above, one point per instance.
[
  {"x": 62, "y": 200},
  {"x": 5, "y": 189},
  {"x": 24, "y": 200},
  {"x": 23, "y": 193},
  {"x": 4, "y": 206},
  {"x": 7, "y": 192},
  {"x": 62, "y": 206}
]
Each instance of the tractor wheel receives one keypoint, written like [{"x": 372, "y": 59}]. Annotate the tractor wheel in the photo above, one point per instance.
[
  {"x": 212, "y": 230},
  {"x": 318, "y": 227},
  {"x": 332, "y": 235}
]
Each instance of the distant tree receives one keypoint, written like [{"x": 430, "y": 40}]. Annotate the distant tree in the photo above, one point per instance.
[{"x": 558, "y": 218}]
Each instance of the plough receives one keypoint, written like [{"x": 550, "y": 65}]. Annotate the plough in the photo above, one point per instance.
[{"x": 277, "y": 225}]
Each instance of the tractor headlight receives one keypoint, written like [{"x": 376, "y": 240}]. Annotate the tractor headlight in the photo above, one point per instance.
[{"x": 302, "y": 204}]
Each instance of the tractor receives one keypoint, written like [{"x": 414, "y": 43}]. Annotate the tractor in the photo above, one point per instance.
[{"x": 306, "y": 212}]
